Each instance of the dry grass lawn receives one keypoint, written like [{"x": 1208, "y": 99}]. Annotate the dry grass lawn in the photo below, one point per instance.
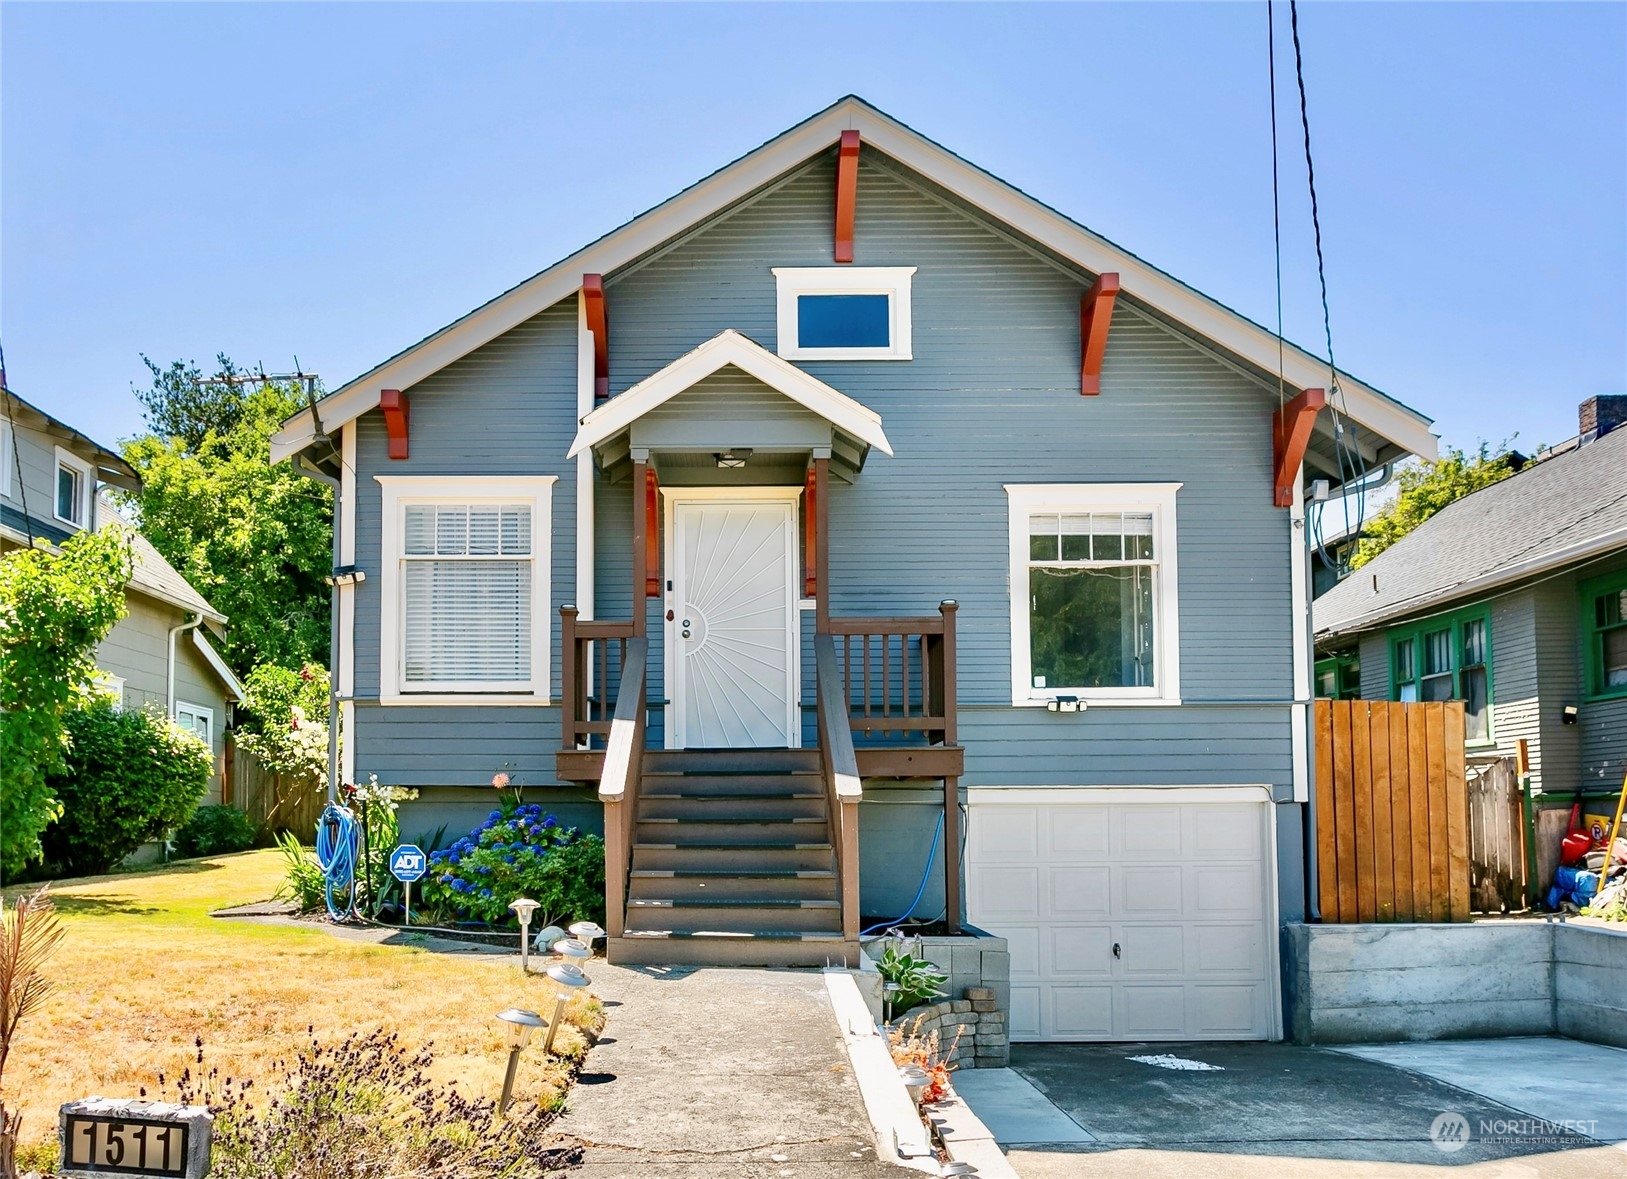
[{"x": 145, "y": 970}]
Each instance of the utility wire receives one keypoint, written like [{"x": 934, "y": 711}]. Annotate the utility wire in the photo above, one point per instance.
[{"x": 16, "y": 454}]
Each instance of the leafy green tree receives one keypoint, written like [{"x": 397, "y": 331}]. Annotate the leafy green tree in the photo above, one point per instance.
[
  {"x": 255, "y": 539},
  {"x": 1426, "y": 488},
  {"x": 54, "y": 611}
]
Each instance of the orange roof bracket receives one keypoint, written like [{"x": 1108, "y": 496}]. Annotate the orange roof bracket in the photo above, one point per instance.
[
  {"x": 394, "y": 404},
  {"x": 652, "y": 534},
  {"x": 599, "y": 326},
  {"x": 847, "y": 193},
  {"x": 1095, "y": 317},
  {"x": 1290, "y": 435}
]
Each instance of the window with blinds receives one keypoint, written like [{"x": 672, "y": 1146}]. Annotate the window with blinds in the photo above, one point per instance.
[{"x": 466, "y": 596}]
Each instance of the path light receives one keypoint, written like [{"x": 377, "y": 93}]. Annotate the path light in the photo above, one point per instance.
[
  {"x": 573, "y": 949},
  {"x": 518, "y": 1025},
  {"x": 568, "y": 979},
  {"x": 916, "y": 1080},
  {"x": 888, "y": 991},
  {"x": 523, "y": 908},
  {"x": 958, "y": 1168},
  {"x": 587, "y": 932}
]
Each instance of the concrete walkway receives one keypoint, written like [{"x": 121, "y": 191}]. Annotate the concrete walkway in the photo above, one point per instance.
[{"x": 719, "y": 1072}]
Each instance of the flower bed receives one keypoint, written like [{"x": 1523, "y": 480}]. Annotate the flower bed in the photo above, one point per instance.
[{"x": 519, "y": 851}]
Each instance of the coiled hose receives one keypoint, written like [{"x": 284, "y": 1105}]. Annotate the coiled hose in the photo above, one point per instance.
[
  {"x": 338, "y": 848},
  {"x": 925, "y": 874}
]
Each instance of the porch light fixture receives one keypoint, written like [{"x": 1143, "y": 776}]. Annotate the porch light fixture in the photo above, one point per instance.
[
  {"x": 518, "y": 1027},
  {"x": 916, "y": 1080},
  {"x": 1568, "y": 715},
  {"x": 568, "y": 979},
  {"x": 732, "y": 459},
  {"x": 523, "y": 908}
]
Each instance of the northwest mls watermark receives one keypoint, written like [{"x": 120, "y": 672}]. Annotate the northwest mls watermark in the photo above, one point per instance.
[{"x": 1451, "y": 1131}]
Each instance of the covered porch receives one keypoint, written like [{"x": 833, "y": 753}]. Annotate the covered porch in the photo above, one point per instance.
[{"x": 730, "y": 734}]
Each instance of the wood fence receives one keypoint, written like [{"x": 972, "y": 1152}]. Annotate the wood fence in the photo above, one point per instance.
[
  {"x": 1392, "y": 832},
  {"x": 273, "y": 801},
  {"x": 1497, "y": 846}
]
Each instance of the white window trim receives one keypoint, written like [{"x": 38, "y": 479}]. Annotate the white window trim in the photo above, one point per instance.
[
  {"x": 6, "y": 455},
  {"x": 398, "y": 492},
  {"x": 87, "y": 486},
  {"x": 1025, "y": 500},
  {"x": 892, "y": 281},
  {"x": 109, "y": 685},
  {"x": 197, "y": 712}
]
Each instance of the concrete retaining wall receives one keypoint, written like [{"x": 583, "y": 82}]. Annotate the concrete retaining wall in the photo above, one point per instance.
[{"x": 1351, "y": 984}]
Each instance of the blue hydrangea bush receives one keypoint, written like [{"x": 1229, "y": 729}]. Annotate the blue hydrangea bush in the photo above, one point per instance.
[{"x": 519, "y": 851}]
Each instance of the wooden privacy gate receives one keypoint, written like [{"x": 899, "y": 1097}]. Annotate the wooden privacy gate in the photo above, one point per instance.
[
  {"x": 274, "y": 801},
  {"x": 1392, "y": 829}
]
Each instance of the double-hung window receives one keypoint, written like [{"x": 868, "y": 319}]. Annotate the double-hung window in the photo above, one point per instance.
[
  {"x": 1604, "y": 635},
  {"x": 1447, "y": 658},
  {"x": 1093, "y": 593},
  {"x": 75, "y": 483},
  {"x": 465, "y": 589}
]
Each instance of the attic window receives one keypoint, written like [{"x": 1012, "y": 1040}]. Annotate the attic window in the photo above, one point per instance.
[
  {"x": 74, "y": 482},
  {"x": 844, "y": 312}
]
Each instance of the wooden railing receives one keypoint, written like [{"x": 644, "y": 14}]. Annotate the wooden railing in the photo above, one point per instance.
[
  {"x": 897, "y": 675},
  {"x": 618, "y": 786},
  {"x": 594, "y": 658},
  {"x": 840, "y": 774}
]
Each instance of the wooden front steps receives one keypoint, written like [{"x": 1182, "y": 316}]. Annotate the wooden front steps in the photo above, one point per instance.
[{"x": 732, "y": 863}]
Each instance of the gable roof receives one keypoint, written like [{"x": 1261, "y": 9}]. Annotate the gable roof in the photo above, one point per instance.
[
  {"x": 1404, "y": 428},
  {"x": 110, "y": 465},
  {"x": 152, "y": 575},
  {"x": 731, "y": 348},
  {"x": 1554, "y": 513}
]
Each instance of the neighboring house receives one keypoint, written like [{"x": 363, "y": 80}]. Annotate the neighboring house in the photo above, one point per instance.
[
  {"x": 1514, "y": 600},
  {"x": 757, "y": 435},
  {"x": 158, "y": 655}
]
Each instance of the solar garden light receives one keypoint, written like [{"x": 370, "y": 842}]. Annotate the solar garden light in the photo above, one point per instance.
[
  {"x": 958, "y": 1168},
  {"x": 916, "y": 1080},
  {"x": 573, "y": 949},
  {"x": 568, "y": 979},
  {"x": 518, "y": 1026},
  {"x": 888, "y": 991},
  {"x": 523, "y": 908},
  {"x": 587, "y": 932}
]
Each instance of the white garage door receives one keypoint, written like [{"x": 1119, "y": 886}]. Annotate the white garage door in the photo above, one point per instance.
[{"x": 1127, "y": 920}]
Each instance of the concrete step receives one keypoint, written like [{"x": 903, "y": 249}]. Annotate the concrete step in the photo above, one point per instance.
[
  {"x": 660, "y": 884},
  {"x": 733, "y": 858},
  {"x": 723, "y": 832},
  {"x": 655, "y": 948},
  {"x": 759, "y": 808},
  {"x": 728, "y": 785},
  {"x": 735, "y": 915},
  {"x": 726, "y": 761}
]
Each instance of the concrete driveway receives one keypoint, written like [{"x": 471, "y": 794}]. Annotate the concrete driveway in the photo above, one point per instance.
[{"x": 1249, "y": 1110}]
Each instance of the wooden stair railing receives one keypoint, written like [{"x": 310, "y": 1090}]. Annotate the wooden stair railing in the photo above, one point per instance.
[
  {"x": 841, "y": 779},
  {"x": 618, "y": 787},
  {"x": 897, "y": 675},
  {"x": 586, "y": 648}
]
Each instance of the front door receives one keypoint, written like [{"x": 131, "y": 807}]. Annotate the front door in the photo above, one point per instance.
[{"x": 732, "y": 619}]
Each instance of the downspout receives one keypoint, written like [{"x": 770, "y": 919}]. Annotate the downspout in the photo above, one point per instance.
[
  {"x": 305, "y": 467},
  {"x": 169, "y": 666}
]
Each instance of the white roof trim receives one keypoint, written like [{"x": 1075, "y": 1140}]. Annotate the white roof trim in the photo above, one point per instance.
[
  {"x": 726, "y": 348},
  {"x": 234, "y": 687},
  {"x": 1200, "y": 314}
]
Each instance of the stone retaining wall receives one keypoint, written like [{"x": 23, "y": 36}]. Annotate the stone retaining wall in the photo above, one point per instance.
[{"x": 984, "y": 1037}]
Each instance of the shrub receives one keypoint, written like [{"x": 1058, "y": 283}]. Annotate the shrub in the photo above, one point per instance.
[
  {"x": 216, "y": 830},
  {"x": 302, "y": 881},
  {"x": 130, "y": 777},
  {"x": 520, "y": 852}
]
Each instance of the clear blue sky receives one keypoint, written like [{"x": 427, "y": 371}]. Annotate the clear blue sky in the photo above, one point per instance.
[{"x": 336, "y": 181}]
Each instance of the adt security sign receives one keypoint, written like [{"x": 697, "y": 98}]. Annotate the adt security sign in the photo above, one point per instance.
[{"x": 408, "y": 863}]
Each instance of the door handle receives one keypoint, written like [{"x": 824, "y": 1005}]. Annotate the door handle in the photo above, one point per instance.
[{"x": 1116, "y": 953}]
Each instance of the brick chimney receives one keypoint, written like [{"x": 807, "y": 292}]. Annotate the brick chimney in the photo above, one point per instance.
[{"x": 1597, "y": 416}]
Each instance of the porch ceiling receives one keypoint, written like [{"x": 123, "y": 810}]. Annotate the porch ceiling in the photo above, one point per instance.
[{"x": 732, "y": 395}]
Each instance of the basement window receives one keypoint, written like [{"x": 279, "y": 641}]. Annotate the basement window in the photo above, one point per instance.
[{"x": 844, "y": 312}]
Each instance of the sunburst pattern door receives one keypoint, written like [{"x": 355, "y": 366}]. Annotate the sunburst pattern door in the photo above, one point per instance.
[{"x": 732, "y": 636}]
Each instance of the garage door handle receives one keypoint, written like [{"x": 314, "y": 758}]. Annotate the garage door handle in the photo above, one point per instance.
[{"x": 1116, "y": 950}]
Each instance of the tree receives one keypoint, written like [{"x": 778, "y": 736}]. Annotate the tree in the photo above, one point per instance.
[
  {"x": 253, "y": 538},
  {"x": 1425, "y": 488},
  {"x": 54, "y": 611}
]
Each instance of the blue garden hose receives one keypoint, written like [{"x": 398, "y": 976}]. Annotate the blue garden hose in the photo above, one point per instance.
[
  {"x": 338, "y": 848},
  {"x": 930, "y": 856}
]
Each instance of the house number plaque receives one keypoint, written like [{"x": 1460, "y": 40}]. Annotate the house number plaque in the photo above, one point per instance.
[{"x": 101, "y": 1139}]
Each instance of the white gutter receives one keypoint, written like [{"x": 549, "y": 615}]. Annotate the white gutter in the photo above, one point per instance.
[
  {"x": 1580, "y": 551},
  {"x": 169, "y": 670}
]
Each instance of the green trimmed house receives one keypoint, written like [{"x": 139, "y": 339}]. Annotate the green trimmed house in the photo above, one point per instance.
[{"x": 1513, "y": 600}]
